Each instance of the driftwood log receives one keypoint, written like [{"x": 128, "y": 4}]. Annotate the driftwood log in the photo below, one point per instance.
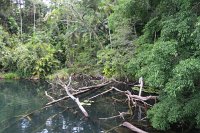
[{"x": 133, "y": 128}]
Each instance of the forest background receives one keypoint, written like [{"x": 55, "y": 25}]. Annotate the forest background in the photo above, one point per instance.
[{"x": 158, "y": 40}]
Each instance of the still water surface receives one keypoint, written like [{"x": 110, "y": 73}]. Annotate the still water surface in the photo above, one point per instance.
[{"x": 21, "y": 97}]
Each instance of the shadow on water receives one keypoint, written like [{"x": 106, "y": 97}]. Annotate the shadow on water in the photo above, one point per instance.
[{"x": 20, "y": 97}]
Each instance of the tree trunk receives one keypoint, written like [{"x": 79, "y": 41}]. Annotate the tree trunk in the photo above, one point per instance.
[
  {"x": 34, "y": 12},
  {"x": 21, "y": 21}
]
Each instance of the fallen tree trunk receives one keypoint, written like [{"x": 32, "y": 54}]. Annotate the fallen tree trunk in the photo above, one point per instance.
[{"x": 133, "y": 128}]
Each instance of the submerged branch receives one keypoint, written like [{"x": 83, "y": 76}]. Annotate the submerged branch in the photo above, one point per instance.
[{"x": 120, "y": 115}]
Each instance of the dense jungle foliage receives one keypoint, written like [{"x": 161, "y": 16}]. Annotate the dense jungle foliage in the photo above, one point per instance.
[{"x": 158, "y": 40}]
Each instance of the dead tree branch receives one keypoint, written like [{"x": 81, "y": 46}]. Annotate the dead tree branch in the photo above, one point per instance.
[
  {"x": 95, "y": 86},
  {"x": 120, "y": 115},
  {"x": 112, "y": 88},
  {"x": 133, "y": 128},
  {"x": 66, "y": 87},
  {"x": 100, "y": 94},
  {"x": 81, "y": 91},
  {"x": 50, "y": 97},
  {"x": 71, "y": 93},
  {"x": 141, "y": 86}
]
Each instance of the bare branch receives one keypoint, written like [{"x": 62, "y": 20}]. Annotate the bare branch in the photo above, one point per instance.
[
  {"x": 133, "y": 128},
  {"x": 100, "y": 94},
  {"x": 141, "y": 86},
  {"x": 95, "y": 86},
  {"x": 120, "y": 115},
  {"x": 66, "y": 87},
  {"x": 50, "y": 97}
]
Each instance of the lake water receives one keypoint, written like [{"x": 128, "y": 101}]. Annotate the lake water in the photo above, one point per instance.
[
  {"x": 20, "y": 112},
  {"x": 18, "y": 98}
]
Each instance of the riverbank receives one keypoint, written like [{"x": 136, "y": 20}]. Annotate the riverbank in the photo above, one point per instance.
[
  {"x": 63, "y": 73},
  {"x": 9, "y": 75}
]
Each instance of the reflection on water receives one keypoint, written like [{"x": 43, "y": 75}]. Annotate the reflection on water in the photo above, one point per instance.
[
  {"x": 24, "y": 124},
  {"x": 19, "y": 98}
]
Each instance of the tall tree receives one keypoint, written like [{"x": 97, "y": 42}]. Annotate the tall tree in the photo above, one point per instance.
[{"x": 21, "y": 3}]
